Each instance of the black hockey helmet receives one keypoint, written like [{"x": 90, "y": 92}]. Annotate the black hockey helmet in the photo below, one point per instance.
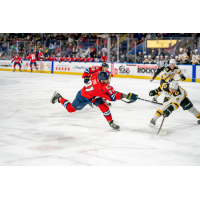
[{"x": 103, "y": 76}]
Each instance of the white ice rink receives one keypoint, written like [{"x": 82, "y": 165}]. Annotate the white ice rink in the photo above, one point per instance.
[{"x": 35, "y": 132}]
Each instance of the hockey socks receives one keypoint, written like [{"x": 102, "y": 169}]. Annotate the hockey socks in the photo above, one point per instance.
[
  {"x": 67, "y": 105},
  {"x": 106, "y": 112}
]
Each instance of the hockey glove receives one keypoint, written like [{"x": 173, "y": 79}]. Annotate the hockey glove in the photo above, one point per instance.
[
  {"x": 21, "y": 62},
  {"x": 60, "y": 61},
  {"x": 183, "y": 77},
  {"x": 153, "y": 92},
  {"x": 86, "y": 79},
  {"x": 132, "y": 96},
  {"x": 168, "y": 111}
]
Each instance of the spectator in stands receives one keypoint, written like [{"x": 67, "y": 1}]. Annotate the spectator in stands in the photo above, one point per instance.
[
  {"x": 93, "y": 38},
  {"x": 153, "y": 36},
  {"x": 112, "y": 59},
  {"x": 99, "y": 55},
  {"x": 140, "y": 58},
  {"x": 194, "y": 47},
  {"x": 153, "y": 55},
  {"x": 50, "y": 46},
  {"x": 70, "y": 39},
  {"x": 160, "y": 53},
  {"x": 121, "y": 48},
  {"x": 103, "y": 58},
  {"x": 54, "y": 46},
  {"x": 89, "y": 52},
  {"x": 148, "y": 36},
  {"x": 74, "y": 52},
  {"x": 93, "y": 49},
  {"x": 114, "y": 49},
  {"x": 113, "y": 36},
  {"x": 104, "y": 49},
  {"x": 139, "y": 37}
]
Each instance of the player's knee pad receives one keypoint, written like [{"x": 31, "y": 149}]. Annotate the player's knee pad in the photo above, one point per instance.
[{"x": 186, "y": 104}]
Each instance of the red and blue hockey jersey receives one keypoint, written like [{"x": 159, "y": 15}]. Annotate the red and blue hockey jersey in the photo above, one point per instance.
[{"x": 94, "y": 88}]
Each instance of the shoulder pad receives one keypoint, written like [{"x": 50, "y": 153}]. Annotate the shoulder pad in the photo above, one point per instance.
[
  {"x": 166, "y": 87},
  {"x": 167, "y": 69},
  {"x": 176, "y": 67}
]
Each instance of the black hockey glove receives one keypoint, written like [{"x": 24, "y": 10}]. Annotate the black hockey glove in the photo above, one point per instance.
[
  {"x": 168, "y": 111},
  {"x": 153, "y": 92},
  {"x": 59, "y": 61},
  {"x": 132, "y": 96},
  {"x": 86, "y": 79},
  {"x": 183, "y": 77}
]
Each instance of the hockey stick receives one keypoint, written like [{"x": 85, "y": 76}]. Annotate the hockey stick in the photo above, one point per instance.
[
  {"x": 142, "y": 100},
  {"x": 150, "y": 101},
  {"x": 163, "y": 133}
]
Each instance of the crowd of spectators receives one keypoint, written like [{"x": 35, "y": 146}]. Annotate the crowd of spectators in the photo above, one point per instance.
[
  {"x": 85, "y": 45},
  {"x": 184, "y": 56}
]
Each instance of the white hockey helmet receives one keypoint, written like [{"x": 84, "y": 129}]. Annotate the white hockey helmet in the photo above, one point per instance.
[
  {"x": 145, "y": 56},
  {"x": 181, "y": 49},
  {"x": 157, "y": 56},
  {"x": 196, "y": 50},
  {"x": 174, "y": 85},
  {"x": 149, "y": 56},
  {"x": 172, "y": 61},
  {"x": 166, "y": 56},
  {"x": 176, "y": 57},
  {"x": 171, "y": 56}
]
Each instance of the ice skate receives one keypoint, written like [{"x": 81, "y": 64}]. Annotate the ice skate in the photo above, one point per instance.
[
  {"x": 152, "y": 123},
  {"x": 55, "y": 97},
  {"x": 198, "y": 121},
  {"x": 14, "y": 70},
  {"x": 113, "y": 125}
]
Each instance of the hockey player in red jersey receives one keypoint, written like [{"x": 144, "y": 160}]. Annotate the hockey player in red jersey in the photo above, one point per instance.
[
  {"x": 83, "y": 59},
  {"x": 96, "y": 89},
  {"x": 62, "y": 59},
  {"x": 53, "y": 58},
  {"x": 89, "y": 59},
  {"x": 17, "y": 61},
  {"x": 91, "y": 70},
  {"x": 32, "y": 58},
  {"x": 103, "y": 58},
  {"x": 40, "y": 56}
]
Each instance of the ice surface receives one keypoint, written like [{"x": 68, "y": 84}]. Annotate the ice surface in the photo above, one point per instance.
[{"x": 35, "y": 132}]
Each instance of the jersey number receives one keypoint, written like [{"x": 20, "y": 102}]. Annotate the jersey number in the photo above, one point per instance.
[
  {"x": 33, "y": 57},
  {"x": 89, "y": 86}
]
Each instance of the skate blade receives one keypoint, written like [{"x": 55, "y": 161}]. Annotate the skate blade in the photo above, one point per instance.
[
  {"x": 53, "y": 97},
  {"x": 151, "y": 125},
  {"x": 163, "y": 133}
]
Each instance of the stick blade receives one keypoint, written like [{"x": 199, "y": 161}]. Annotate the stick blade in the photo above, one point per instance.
[{"x": 163, "y": 133}]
